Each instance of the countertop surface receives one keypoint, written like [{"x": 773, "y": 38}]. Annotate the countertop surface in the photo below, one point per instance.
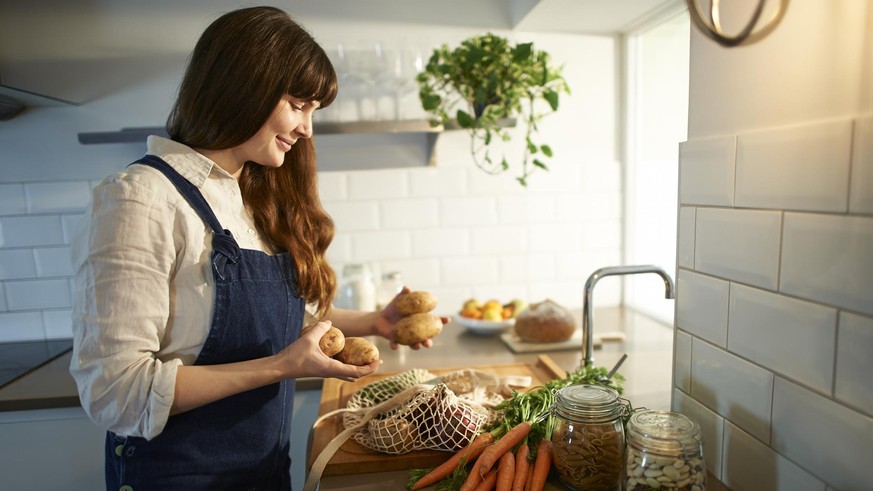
[{"x": 647, "y": 369}]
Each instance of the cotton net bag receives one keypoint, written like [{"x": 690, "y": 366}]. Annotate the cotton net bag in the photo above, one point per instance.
[{"x": 416, "y": 410}]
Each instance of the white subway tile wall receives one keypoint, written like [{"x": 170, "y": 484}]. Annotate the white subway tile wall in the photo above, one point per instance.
[
  {"x": 830, "y": 440},
  {"x": 804, "y": 167},
  {"x": 702, "y": 306},
  {"x": 733, "y": 387},
  {"x": 450, "y": 229},
  {"x": 774, "y": 312},
  {"x": 706, "y": 171},
  {"x": 791, "y": 337},
  {"x": 854, "y": 385},
  {"x": 755, "y": 466},
  {"x": 685, "y": 244},
  {"x": 741, "y": 245},
  {"x": 861, "y": 192},
  {"x": 711, "y": 429},
  {"x": 829, "y": 259}
]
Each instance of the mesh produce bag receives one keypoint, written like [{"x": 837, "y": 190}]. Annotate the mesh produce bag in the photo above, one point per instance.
[
  {"x": 415, "y": 410},
  {"x": 443, "y": 413}
]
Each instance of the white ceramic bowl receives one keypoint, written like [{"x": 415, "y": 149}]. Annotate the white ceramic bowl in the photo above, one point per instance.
[{"x": 479, "y": 326}]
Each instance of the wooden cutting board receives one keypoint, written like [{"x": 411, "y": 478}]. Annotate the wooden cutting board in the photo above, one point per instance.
[{"x": 354, "y": 458}]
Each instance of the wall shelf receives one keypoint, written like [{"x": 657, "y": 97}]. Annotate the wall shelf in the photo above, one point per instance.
[
  {"x": 139, "y": 134},
  {"x": 420, "y": 128}
]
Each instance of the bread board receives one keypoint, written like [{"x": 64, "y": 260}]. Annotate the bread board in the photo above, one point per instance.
[
  {"x": 354, "y": 458},
  {"x": 517, "y": 345}
]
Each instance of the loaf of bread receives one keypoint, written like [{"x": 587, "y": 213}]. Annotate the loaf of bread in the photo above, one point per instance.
[{"x": 545, "y": 322}]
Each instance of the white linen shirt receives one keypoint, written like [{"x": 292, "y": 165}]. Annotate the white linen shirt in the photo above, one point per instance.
[{"x": 144, "y": 290}]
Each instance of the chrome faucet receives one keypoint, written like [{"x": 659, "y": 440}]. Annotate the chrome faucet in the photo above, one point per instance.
[{"x": 588, "y": 308}]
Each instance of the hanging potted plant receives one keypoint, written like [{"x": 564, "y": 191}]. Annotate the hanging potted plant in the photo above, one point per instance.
[{"x": 484, "y": 85}]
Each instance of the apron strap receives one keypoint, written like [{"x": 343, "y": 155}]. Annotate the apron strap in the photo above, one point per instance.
[{"x": 223, "y": 243}]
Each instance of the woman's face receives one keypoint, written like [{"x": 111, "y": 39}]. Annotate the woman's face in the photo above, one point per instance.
[{"x": 290, "y": 120}]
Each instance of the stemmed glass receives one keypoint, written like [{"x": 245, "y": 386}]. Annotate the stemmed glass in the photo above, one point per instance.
[{"x": 406, "y": 64}]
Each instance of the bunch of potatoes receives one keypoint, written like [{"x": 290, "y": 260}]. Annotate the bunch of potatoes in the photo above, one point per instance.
[{"x": 417, "y": 326}]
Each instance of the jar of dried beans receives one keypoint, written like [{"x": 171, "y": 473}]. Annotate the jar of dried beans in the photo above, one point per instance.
[
  {"x": 588, "y": 439},
  {"x": 664, "y": 452}
]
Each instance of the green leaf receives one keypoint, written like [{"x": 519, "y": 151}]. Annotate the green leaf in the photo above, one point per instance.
[
  {"x": 464, "y": 119},
  {"x": 552, "y": 98},
  {"x": 522, "y": 181},
  {"x": 488, "y": 137},
  {"x": 522, "y": 52},
  {"x": 531, "y": 147},
  {"x": 504, "y": 164},
  {"x": 429, "y": 101},
  {"x": 547, "y": 150},
  {"x": 539, "y": 164}
]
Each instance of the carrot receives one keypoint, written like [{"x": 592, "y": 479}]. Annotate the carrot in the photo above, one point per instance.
[
  {"x": 463, "y": 456},
  {"x": 530, "y": 471},
  {"x": 474, "y": 477},
  {"x": 488, "y": 482},
  {"x": 521, "y": 465},
  {"x": 491, "y": 454},
  {"x": 542, "y": 464},
  {"x": 506, "y": 472}
]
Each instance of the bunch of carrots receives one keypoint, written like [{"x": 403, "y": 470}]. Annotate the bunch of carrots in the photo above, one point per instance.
[{"x": 515, "y": 454}]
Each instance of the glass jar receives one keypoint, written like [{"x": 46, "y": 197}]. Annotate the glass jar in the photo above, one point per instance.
[
  {"x": 664, "y": 451},
  {"x": 389, "y": 287},
  {"x": 588, "y": 439},
  {"x": 357, "y": 291}
]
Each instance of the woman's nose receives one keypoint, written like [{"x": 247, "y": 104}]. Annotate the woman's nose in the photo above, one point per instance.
[{"x": 304, "y": 130}]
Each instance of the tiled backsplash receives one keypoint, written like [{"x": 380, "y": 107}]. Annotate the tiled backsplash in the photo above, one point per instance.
[
  {"x": 449, "y": 229},
  {"x": 775, "y": 304}
]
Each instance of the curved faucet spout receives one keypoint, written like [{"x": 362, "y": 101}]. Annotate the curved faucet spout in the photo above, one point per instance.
[{"x": 588, "y": 306}]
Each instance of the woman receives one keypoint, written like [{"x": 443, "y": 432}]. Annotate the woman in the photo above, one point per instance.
[{"x": 194, "y": 266}]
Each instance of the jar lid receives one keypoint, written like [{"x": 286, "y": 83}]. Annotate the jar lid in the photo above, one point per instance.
[
  {"x": 595, "y": 403},
  {"x": 664, "y": 431}
]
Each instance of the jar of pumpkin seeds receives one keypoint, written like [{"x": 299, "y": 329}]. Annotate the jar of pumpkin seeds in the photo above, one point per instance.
[
  {"x": 588, "y": 439},
  {"x": 664, "y": 452}
]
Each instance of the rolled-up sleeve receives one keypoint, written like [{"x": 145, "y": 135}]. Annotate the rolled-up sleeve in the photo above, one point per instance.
[{"x": 124, "y": 257}]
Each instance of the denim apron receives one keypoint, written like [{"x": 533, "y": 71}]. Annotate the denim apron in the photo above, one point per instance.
[{"x": 240, "y": 442}]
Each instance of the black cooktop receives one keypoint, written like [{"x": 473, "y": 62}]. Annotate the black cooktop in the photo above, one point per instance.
[{"x": 19, "y": 358}]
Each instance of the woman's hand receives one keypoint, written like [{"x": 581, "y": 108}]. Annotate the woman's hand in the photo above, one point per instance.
[
  {"x": 383, "y": 324},
  {"x": 303, "y": 358}
]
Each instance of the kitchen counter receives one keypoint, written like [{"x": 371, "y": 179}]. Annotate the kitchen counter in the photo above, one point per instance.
[
  {"x": 44, "y": 379},
  {"x": 647, "y": 370}
]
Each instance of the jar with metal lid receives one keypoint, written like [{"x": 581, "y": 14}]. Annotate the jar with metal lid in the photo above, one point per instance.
[
  {"x": 588, "y": 439},
  {"x": 664, "y": 451}
]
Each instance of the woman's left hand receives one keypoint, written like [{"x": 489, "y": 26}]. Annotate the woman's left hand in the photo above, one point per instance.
[{"x": 383, "y": 325}]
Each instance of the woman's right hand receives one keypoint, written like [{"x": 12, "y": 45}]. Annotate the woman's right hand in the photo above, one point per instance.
[{"x": 303, "y": 358}]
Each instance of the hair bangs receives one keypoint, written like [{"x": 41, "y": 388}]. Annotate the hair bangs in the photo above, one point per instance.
[{"x": 315, "y": 78}]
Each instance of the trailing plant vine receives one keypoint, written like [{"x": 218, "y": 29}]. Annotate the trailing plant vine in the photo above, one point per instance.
[{"x": 486, "y": 81}]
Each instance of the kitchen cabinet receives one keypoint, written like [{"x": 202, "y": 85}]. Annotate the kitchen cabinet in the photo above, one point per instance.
[{"x": 51, "y": 449}]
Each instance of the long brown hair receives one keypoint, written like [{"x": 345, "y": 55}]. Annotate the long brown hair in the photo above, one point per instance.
[{"x": 243, "y": 64}]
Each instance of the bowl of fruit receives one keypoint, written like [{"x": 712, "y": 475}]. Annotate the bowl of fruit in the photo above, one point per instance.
[{"x": 489, "y": 317}]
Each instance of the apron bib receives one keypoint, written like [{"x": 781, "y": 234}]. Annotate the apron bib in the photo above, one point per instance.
[{"x": 240, "y": 442}]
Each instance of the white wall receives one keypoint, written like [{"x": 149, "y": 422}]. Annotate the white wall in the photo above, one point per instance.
[
  {"x": 774, "y": 324},
  {"x": 448, "y": 228}
]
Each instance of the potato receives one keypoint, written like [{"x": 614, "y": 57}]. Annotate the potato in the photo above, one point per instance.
[
  {"x": 415, "y": 303},
  {"x": 358, "y": 351},
  {"x": 331, "y": 342},
  {"x": 417, "y": 328}
]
